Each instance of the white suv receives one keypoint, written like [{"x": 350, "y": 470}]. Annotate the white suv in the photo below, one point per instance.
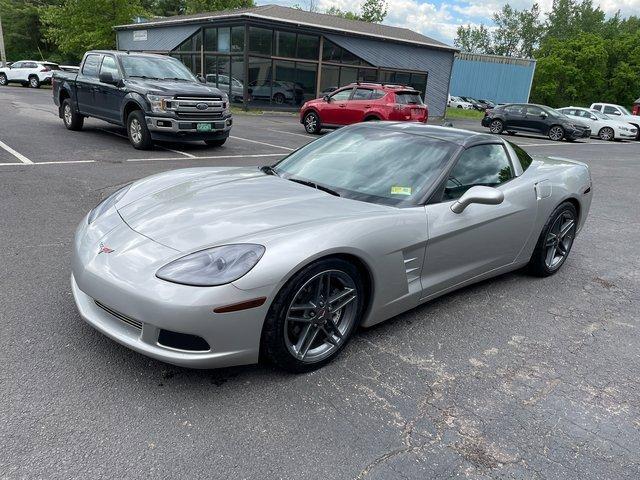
[
  {"x": 28, "y": 73},
  {"x": 618, "y": 112}
]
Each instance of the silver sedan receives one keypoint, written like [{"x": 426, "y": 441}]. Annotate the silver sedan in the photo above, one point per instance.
[{"x": 212, "y": 267}]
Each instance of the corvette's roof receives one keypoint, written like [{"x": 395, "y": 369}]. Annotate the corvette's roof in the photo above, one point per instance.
[{"x": 464, "y": 138}]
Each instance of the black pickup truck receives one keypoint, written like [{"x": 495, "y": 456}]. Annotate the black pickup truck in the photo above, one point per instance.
[{"x": 154, "y": 96}]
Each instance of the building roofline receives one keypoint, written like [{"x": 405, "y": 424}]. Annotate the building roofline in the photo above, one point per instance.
[{"x": 178, "y": 21}]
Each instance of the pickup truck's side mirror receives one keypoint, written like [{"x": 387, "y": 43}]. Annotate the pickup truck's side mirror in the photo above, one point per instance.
[
  {"x": 201, "y": 79},
  {"x": 478, "y": 194},
  {"x": 108, "y": 78}
]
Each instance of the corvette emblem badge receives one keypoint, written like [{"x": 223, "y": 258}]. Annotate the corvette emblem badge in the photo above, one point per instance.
[{"x": 104, "y": 249}]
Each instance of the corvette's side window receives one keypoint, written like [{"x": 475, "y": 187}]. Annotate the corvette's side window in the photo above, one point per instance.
[{"x": 486, "y": 165}]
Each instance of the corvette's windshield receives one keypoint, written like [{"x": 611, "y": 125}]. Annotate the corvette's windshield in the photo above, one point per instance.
[{"x": 370, "y": 163}]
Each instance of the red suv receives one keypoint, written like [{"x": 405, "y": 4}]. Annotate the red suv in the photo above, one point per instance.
[{"x": 362, "y": 102}]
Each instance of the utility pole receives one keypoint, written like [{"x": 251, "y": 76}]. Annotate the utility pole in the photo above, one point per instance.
[{"x": 3, "y": 57}]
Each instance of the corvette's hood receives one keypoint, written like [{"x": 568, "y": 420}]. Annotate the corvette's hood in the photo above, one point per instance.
[{"x": 224, "y": 206}]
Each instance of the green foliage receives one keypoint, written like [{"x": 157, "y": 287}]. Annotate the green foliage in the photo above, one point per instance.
[
  {"x": 22, "y": 31},
  {"x": 473, "y": 39},
  {"x": 373, "y": 11},
  {"x": 76, "y": 26},
  {"x": 198, "y": 6}
]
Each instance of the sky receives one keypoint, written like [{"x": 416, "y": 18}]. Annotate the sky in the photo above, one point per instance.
[{"x": 439, "y": 19}]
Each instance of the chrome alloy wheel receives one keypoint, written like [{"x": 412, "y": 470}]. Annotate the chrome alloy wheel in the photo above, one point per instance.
[
  {"x": 556, "y": 133},
  {"x": 3, "y": 80},
  {"x": 68, "y": 115},
  {"x": 135, "y": 130},
  {"x": 320, "y": 316},
  {"x": 33, "y": 82},
  {"x": 559, "y": 240},
  {"x": 496, "y": 127},
  {"x": 606, "y": 134},
  {"x": 310, "y": 123}
]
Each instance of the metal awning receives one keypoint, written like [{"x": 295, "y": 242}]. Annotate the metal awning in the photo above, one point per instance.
[
  {"x": 154, "y": 39},
  {"x": 387, "y": 54}
]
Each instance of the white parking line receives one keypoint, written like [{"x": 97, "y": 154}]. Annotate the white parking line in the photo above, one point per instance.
[
  {"x": 209, "y": 157},
  {"x": 18, "y": 155},
  {"x": 290, "y": 133},
  {"x": 567, "y": 144},
  {"x": 262, "y": 143},
  {"x": 188, "y": 155},
  {"x": 61, "y": 162}
]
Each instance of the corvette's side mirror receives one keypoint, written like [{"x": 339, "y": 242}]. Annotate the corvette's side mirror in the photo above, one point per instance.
[{"x": 478, "y": 194}]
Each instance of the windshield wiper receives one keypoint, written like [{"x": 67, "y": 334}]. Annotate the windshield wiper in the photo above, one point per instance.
[
  {"x": 269, "y": 170},
  {"x": 315, "y": 185},
  {"x": 144, "y": 77},
  {"x": 176, "y": 78}
]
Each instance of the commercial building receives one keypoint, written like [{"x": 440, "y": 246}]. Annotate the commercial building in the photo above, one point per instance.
[
  {"x": 280, "y": 56},
  {"x": 492, "y": 77}
]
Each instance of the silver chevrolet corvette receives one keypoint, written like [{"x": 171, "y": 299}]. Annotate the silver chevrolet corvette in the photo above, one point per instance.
[{"x": 212, "y": 267}]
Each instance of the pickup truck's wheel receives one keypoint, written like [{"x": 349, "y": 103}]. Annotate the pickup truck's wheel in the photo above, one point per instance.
[
  {"x": 34, "y": 82},
  {"x": 216, "y": 143},
  {"x": 72, "y": 119},
  {"x": 138, "y": 132},
  {"x": 3, "y": 79}
]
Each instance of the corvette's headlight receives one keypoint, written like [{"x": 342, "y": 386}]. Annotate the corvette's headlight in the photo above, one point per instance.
[
  {"x": 214, "y": 266},
  {"x": 159, "y": 104},
  {"x": 107, "y": 203}
]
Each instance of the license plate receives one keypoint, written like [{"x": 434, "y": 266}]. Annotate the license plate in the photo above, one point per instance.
[
  {"x": 416, "y": 113},
  {"x": 204, "y": 127}
]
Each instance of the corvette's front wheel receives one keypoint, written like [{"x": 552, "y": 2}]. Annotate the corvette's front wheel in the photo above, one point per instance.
[{"x": 313, "y": 316}]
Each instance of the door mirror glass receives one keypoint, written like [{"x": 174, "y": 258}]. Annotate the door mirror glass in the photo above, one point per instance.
[
  {"x": 200, "y": 78},
  {"x": 478, "y": 194}
]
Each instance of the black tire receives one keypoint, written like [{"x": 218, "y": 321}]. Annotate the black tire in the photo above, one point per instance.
[
  {"x": 3, "y": 80},
  {"x": 273, "y": 346},
  {"x": 496, "y": 126},
  {"x": 138, "y": 132},
  {"x": 34, "y": 82},
  {"x": 311, "y": 123},
  {"x": 459, "y": 106},
  {"x": 279, "y": 98},
  {"x": 72, "y": 120},
  {"x": 556, "y": 133},
  {"x": 24, "y": 84},
  {"x": 216, "y": 143},
  {"x": 538, "y": 264},
  {"x": 371, "y": 119},
  {"x": 511, "y": 132}
]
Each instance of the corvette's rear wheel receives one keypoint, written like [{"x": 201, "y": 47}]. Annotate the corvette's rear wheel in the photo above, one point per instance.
[
  {"x": 555, "y": 241},
  {"x": 313, "y": 316}
]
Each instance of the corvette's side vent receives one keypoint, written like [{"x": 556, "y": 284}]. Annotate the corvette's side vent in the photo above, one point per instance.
[{"x": 412, "y": 267}]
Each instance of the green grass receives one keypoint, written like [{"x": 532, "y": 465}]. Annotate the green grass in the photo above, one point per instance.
[{"x": 460, "y": 113}]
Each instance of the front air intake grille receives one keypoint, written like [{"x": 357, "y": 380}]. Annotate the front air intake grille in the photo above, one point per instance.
[
  {"x": 183, "y": 341},
  {"x": 123, "y": 318}
]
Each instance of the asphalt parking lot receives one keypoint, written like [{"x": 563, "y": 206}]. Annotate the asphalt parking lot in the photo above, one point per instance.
[{"x": 516, "y": 377}]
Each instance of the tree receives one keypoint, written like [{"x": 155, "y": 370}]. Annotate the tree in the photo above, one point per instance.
[
  {"x": 473, "y": 39},
  {"x": 199, "y": 6},
  {"x": 373, "y": 11},
  {"x": 22, "y": 31},
  {"x": 76, "y": 26}
]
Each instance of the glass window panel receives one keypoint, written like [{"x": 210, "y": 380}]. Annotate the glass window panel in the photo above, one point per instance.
[
  {"x": 285, "y": 90},
  {"x": 186, "y": 46},
  {"x": 331, "y": 52},
  {"x": 387, "y": 77},
  {"x": 211, "y": 69},
  {"x": 260, "y": 40},
  {"x": 362, "y": 94},
  {"x": 197, "y": 41},
  {"x": 188, "y": 61},
  {"x": 330, "y": 79},
  {"x": 237, "y": 79},
  {"x": 305, "y": 85},
  {"x": 211, "y": 39},
  {"x": 224, "y": 39},
  {"x": 285, "y": 44},
  {"x": 367, "y": 75},
  {"x": 403, "y": 78},
  {"x": 224, "y": 74},
  {"x": 342, "y": 95},
  {"x": 90, "y": 67},
  {"x": 237, "y": 39},
  {"x": 348, "y": 75},
  {"x": 350, "y": 58},
  {"x": 308, "y": 46},
  {"x": 419, "y": 82},
  {"x": 109, "y": 66},
  {"x": 259, "y": 80}
]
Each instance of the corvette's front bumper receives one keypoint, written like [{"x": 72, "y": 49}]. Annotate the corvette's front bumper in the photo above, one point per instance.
[{"x": 119, "y": 295}]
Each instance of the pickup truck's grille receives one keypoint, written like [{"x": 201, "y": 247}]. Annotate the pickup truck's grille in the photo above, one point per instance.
[{"x": 198, "y": 108}]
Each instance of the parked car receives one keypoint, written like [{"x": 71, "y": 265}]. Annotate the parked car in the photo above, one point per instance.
[
  {"x": 528, "y": 117},
  {"x": 155, "y": 97},
  {"x": 619, "y": 112},
  {"x": 457, "y": 102},
  {"x": 222, "y": 81},
  {"x": 476, "y": 104},
  {"x": 488, "y": 103},
  {"x": 221, "y": 266},
  {"x": 362, "y": 102},
  {"x": 28, "y": 72},
  {"x": 278, "y": 91},
  {"x": 602, "y": 126}
]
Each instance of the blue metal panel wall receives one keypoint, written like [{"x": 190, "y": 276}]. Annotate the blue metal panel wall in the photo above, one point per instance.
[
  {"x": 159, "y": 39},
  {"x": 437, "y": 63},
  {"x": 501, "y": 82}
]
